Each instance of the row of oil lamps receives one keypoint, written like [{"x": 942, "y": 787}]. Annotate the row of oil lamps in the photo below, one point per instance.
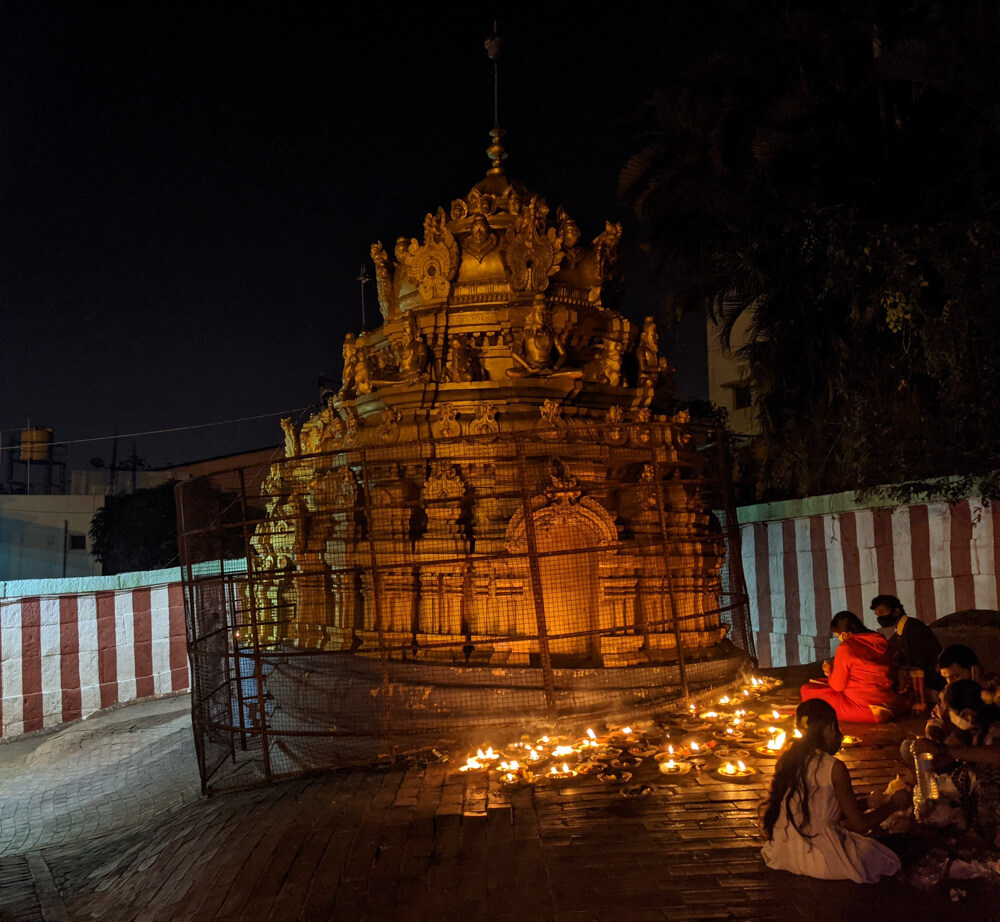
[{"x": 610, "y": 757}]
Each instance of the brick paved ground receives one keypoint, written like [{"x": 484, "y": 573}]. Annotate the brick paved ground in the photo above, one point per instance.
[{"x": 413, "y": 843}]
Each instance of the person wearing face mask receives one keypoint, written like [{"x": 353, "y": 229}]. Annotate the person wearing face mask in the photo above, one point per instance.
[
  {"x": 956, "y": 663},
  {"x": 913, "y": 646},
  {"x": 812, "y": 820},
  {"x": 972, "y": 759},
  {"x": 859, "y": 683}
]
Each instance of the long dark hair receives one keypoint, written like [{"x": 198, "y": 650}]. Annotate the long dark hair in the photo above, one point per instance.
[
  {"x": 847, "y": 621},
  {"x": 789, "y": 786}
]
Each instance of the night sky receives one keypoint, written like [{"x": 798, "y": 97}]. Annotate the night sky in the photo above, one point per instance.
[{"x": 190, "y": 189}]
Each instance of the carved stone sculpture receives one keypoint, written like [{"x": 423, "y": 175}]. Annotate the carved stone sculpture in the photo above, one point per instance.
[
  {"x": 533, "y": 252},
  {"x": 651, "y": 365},
  {"x": 432, "y": 265},
  {"x": 387, "y": 301},
  {"x": 461, "y": 365},
  {"x": 606, "y": 366},
  {"x": 485, "y": 423},
  {"x": 539, "y": 351},
  {"x": 413, "y": 354},
  {"x": 445, "y": 424}
]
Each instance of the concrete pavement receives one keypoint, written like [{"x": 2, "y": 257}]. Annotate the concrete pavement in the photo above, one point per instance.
[{"x": 103, "y": 820}]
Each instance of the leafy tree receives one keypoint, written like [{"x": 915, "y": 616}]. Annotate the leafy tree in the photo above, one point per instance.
[
  {"x": 136, "y": 531},
  {"x": 832, "y": 173}
]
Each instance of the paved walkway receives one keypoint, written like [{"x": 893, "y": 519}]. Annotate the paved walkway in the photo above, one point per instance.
[{"x": 103, "y": 820}]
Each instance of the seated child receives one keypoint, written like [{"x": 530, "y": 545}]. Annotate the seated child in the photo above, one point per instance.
[
  {"x": 971, "y": 756},
  {"x": 955, "y": 663},
  {"x": 812, "y": 820}
]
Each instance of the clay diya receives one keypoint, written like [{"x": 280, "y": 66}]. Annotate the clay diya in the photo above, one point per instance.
[
  {"x": 738, "y": 771},
  {"x": 675, "y": 767}
]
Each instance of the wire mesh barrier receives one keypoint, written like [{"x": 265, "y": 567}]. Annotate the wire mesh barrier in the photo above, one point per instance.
[{"x": 353, "y": 606}]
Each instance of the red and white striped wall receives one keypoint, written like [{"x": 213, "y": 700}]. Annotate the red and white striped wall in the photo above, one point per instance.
[
  {"x": 63, "y": 657},
  {"x": 801, "y": 570}
]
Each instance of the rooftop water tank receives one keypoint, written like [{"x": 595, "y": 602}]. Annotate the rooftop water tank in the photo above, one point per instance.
[{"x": 36, "y": 443}]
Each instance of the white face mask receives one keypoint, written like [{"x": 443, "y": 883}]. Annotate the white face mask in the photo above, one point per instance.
[{"x": 959, "y": 721}]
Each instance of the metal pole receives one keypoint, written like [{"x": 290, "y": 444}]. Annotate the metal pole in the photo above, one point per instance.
[
  {"x": 377, "y": 605},
  {"x": 737, "y": 577},
  {"x": 254, "y": 628},
  {"x": 667, "y": 587},
  {"x": 536, "y": 584}
]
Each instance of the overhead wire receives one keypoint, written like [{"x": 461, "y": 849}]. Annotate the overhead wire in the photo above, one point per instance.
[{"x": 132, "y": 435}]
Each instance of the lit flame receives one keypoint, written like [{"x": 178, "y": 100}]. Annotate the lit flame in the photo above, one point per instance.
[
  {"x": 626, "y": 730},
  {"x": 728, "y": 769},
  {"x": 746, "y": 692},
  {"x": 775, "y": 715},
  {"x": 797, "y": 733},
  {"x": 488, "y": 756},
  {"x": 776, "y": 743},
  {"x": 773, "y": 730},
  {"x": 562, "y": 751},
  {"x": 670, "y": 749},
  {"x": 725, "y": 699},
  {"x": 694, "y": 746},
  {"x": 471, "y": 764},
  {"x": 671, "y": 765},
  {"x": 591, "y": 734},
  {"x": 534, "y": 755},
  {"x": 691, "y": 708},
  {"x": 509, "y": 766},
  {"x": 742, "y": 767}
]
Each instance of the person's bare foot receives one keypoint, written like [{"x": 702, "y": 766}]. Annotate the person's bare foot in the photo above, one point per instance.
[{"x": 882, "y": 714}]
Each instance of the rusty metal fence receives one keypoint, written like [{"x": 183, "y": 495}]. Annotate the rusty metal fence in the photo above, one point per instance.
[{"x": 357, "y": 606}]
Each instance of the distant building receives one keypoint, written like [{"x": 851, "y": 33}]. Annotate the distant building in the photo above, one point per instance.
[
  {"x": 45, "y": 535},
  {"x": 729, "y": 383}
]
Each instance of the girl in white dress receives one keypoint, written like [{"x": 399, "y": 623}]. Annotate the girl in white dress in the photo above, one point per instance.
[{"x": 812, "y": 820}]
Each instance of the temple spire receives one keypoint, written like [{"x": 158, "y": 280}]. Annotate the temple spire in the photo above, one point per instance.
[{"x": 495, "y": 151}]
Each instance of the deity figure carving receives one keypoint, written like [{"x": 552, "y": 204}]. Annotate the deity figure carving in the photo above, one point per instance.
[
  {"x": 444, "y": 482},
  {"x": 613, "y": 432},
  {"x": 606, "y": 366},
  {"x": 485, "y": 423},
  {"x": 350, "y": 363},
  {"x": 364, "y": 381},
  {"x": 461, "y": 365},
  {"x": 682, "y": 435},
  {"x": 539, "y": 351},
  {"x": 413, "y": 354},
  {"x": 551, "y": 425},
  {"x": 533, "y": 250},
  {"x": 431, "y": 266},
  {"x": 651, "y": 365},
  {"x": 388, "y": 301},
  {"x": 480, "y": 240},
  {"x": 292, "y": 449},
  {"x": 606, "y": 251},
  {"x": 569, "y": 231},
  {"x": 446, "y": 424},
  {"x": 388, "y": 430},
  {"x": 351, "y": 426},
  {"x": 341, "y": 489},
  {"x": 310, "y": 435},
  {"x": 641, "y": 433}
]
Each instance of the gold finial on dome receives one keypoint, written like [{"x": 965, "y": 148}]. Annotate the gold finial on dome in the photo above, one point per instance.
[{"x": 495, "y": 151}]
